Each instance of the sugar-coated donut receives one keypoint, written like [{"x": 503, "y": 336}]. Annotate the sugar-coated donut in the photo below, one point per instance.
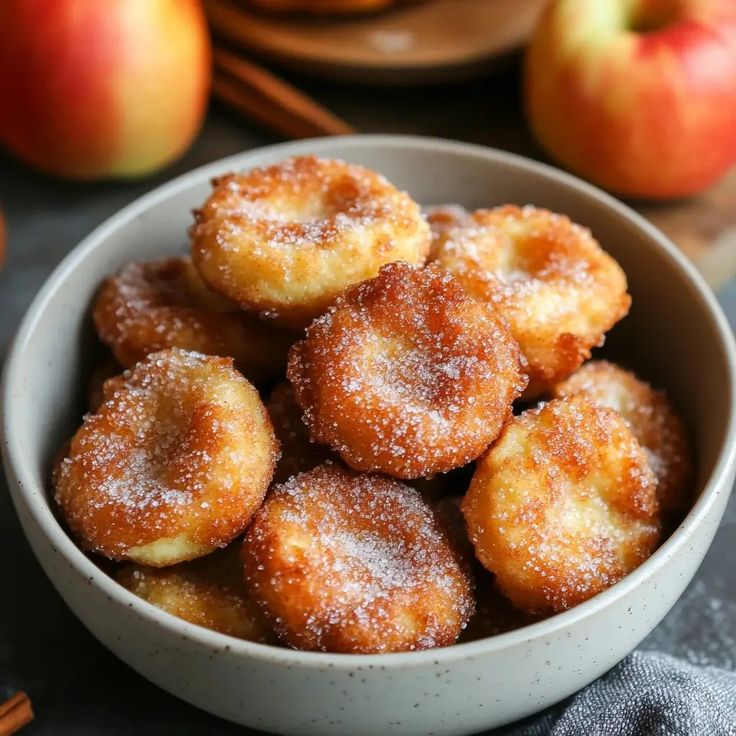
[
  {"x": 173, "y": 464},
  {"x": 563, "y": 505},
  {"x": 342, "y": 562},
  {"x": 150, "y": 306},
  {"x": 209, "y": 592},
  {"x": 285, "y": 240},
  {"x": 558, "y": 291},
  {"x": 298, "y": 452},
  {"x": 652, "y": 419},
  {"x": 406, "y": 374}
]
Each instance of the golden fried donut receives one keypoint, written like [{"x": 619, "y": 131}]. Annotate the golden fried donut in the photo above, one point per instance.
[
  {"x": 442, "y": 219},
  {"x": 174, "y": 463},
  {"x": 555, "y": 287},
  {"x": 285, "y": 240},
  {"x": 563, "y": 505},
  {"x": 406, "y": 374},
  {"x": 208, "y": 592},
  {"x": 652, "y": 419},
  {"x": 342, "y": 562},
  {"x": 161, "y": 304},
  {"x": 298, "y": 452}
]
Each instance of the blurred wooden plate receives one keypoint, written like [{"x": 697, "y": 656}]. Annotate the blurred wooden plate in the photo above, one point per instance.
[{"x": 433, "y": 41}]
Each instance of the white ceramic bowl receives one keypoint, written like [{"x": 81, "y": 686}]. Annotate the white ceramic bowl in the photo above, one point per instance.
[{"x": 675, "y": 335}]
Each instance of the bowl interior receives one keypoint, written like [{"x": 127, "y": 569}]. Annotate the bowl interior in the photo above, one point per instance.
[{"x": 672, "y": 336}]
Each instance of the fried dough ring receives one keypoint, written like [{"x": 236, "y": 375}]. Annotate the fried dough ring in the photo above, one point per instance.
[
  {"x": 406, "y": 375},
  {"x": 285, "y": 240},
  {"x": 298, "y": 452},
  {"x": 174, "y": 463},
  {"x": 342, "y": 562},
  {"x": 652, "y": 419},
  {"x": 563, "y": 505},
  {"x": 151, "y": 306},
  {"x": 208, "y": 592},
  {"x": 556, "y": 288}
]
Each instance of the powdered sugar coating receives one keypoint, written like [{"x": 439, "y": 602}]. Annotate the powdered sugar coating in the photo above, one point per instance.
[
  {"x": 557, "y": 290},
  {"x": 406, "y": 374},
  {"x": 563, "y": 505},
  {"x": 285, "y": 240},
  {"x": 208, "y": 592},
  {"x": 173, "y": 464},
  {"x": 342, "y": 562},
  {"x": 151, "y": 306},
  {"x": 652, "y": 419}
]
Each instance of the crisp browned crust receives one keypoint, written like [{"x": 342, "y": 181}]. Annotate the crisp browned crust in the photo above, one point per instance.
[
  {"x": 406, "y": 374},
  {"x": 298, "y": 452},
  {"x": 174, "y": 463},
  {"x": 558, "y": 291},
  {"x": 208, "y": 592},
  {"x": 342, "y": 562},
  {"x": 151, "y": 306},
  {"x": 563, "y": 505},
  {"x": 652, "y": 419},
  {"x": 285, "y": 240}
]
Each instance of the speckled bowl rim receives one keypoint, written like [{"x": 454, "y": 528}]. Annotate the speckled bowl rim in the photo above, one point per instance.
[{"x": 38, "y": 503}]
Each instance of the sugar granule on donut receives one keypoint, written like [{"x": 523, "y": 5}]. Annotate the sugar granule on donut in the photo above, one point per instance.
[
  {"x": 285, "y": 240},
  {"x": 153, "y": 305},
  {"x": 172, "y": 465},
  {"x": 208, "y": 592},
  {"x": 406, "y": 374},
  {"x": 563, "y": 505},
  {"x": 557, "y": 289},
  {"x": 343, "y": 562},
  {"x": 652, "y": 419}
]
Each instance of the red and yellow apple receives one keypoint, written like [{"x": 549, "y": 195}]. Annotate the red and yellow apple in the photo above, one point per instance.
[
  {"x": 639, "y": 96},
  {"x": 102, "y": 88}
]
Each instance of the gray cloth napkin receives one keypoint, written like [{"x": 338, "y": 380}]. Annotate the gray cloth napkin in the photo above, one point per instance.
[{"x": 647, "y": 694}]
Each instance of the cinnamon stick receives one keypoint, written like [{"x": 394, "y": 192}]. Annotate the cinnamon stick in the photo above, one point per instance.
[
  {"x": 15, "y": 713},
  {"x": 261, "y": 95}
]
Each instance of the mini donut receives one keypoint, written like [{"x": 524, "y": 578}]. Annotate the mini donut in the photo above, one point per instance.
[
  {"x": 298, "y": 452},
  {"x": 563, "y": 505},
  {"x": 147, "y": 307},
  {"x": 406, "y": 374},
  {"x": 208, "y": 592},
  {"x": 652, "y": 419},
  {"x": 558, "y": 291},
  {"x": 341, "y": 562},
  {"x": 442, "y": 219},
  {"x": 172, "y": 465},
  {"x": 285, "y": 240},
  {"x": 105, "y": 369}
]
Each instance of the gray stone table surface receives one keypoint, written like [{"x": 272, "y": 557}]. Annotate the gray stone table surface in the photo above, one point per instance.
[{"x": 76, "y": 685}]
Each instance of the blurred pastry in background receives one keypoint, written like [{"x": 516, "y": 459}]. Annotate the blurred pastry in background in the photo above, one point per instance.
[{"x": 328, "y": 7}]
